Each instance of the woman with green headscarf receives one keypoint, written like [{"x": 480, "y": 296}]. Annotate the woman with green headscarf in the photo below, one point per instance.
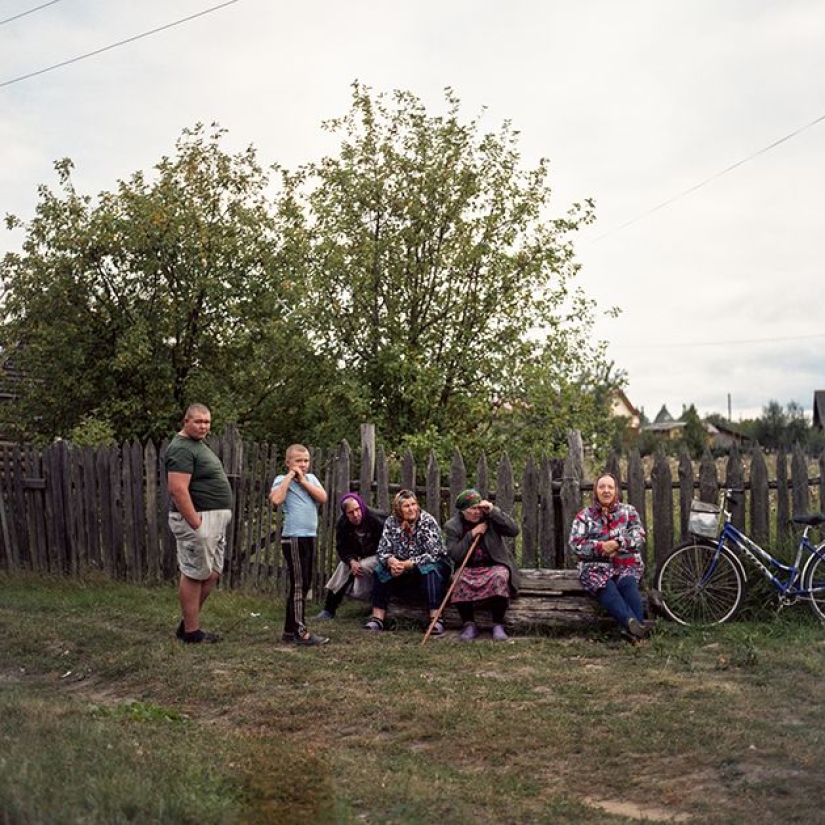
[{"x": 490, "y": 575}]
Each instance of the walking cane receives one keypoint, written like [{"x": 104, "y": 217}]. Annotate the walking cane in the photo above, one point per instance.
[{"x": 456, "y": 577}]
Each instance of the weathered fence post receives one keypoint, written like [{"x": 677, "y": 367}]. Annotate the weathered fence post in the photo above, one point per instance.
[
  {"x": 783, "y": 509},
  {"x": 529, "y": 513},
  {"x": 571, "y": 491},
  {"x": 408, "y": 471},
  {"x": 433, "y": 488},
  {"x": 548, "y": 556},
  {"x": 708, "y": 479},
  {"x": 367, "y": 463},
  {"x": 458, "y": 479},
  {"x": 506, "y": 492},
  {"x": 483, "y": 476},
  {"x": 685, "y": 472},
  {"x": 760, "y": 496},
  {"x": 735, "y": 480},
  {"x": 799, "y": 481},
  {"x": 382, "y": 481},
  {"x": 636, "y": 484},
  {"x": 662, "y": 501}
]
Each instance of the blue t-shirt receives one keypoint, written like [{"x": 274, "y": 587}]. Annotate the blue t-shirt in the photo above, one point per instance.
[{"x": 300, "y": 508}]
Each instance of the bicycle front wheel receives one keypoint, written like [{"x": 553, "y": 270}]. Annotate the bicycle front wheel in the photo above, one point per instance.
[
  {"x": 814, "y": 583},
  {"x": 700, "y": 585}
]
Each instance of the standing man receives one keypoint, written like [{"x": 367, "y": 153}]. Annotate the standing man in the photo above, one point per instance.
[{"x": 200, "y": 510}]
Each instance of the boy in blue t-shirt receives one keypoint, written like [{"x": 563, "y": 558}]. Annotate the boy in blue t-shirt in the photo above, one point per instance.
[{"x": 300, "y": 492}]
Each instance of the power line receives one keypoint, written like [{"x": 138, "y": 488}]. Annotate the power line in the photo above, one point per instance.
[
  {"x": 30, "y": 11},
  {"x": 706, "y": 181},
  {"x": 677, "y": 345},
  {"x": 119, "y": 43}
]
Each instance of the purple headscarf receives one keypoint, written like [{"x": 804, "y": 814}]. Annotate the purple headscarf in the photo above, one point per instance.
[{"x": 356, "y": 498}]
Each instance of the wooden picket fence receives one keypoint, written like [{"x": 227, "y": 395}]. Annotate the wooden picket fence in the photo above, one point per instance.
[{"x": 68, "y": 510}]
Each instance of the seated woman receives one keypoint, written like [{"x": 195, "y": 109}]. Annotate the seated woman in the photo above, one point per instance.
[
  {"x": 491, "y": 574},
  {"x": 357, "y": 535},
  {"x": 411, "y": 557},
  {"x": 607, "y": 540}
]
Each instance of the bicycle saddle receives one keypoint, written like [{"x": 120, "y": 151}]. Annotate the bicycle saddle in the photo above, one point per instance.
[{"x": 811, "y": 519}]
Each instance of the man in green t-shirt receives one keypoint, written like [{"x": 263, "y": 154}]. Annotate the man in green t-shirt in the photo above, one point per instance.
[{"x": 200, "y": 510}]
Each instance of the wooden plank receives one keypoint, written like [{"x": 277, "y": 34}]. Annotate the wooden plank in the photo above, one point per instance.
[
  {"x": 760, "y": 497},
  {"x": 432, "y": 494},
  {"x": 90, "y": 503},
  {"x": 151, "y": 509},
  {"x": 104, "y": 486},
  {"x": 662, "y": 500},
  {"x": 735, "y": 479},
  {"x": 548, "y": 542},
  {"x": 529, "y": 514}
]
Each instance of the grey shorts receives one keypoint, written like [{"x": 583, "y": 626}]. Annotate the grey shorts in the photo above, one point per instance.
[{"x": 201, "y": 551}]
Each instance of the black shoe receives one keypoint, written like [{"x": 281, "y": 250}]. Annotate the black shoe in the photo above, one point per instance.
[
  {"x": 200, "y": 637},
  {"x": 310, "y": 640},
  {"x": 181, "y": 629}
]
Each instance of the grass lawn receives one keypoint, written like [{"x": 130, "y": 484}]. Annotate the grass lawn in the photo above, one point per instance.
[{"x": 106, "y": 718}]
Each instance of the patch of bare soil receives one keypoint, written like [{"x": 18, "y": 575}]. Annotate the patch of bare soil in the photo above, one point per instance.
[{"x": 631, "y": 810}]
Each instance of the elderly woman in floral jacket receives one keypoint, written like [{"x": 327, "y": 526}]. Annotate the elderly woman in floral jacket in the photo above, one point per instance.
[
  {"x": 607, "y": 540},
  {"x": 411, "y": 556}
]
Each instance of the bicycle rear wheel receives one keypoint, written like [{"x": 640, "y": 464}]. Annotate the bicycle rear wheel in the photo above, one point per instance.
[
  {"x": 814, "y": 581},
  {"x": 699, "y": 585}
]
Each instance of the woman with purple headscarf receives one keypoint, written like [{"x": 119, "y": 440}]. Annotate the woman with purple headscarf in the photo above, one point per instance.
[{"x": 357, "y": 535}]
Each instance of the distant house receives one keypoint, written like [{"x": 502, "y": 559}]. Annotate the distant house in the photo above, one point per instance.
[
  {"x": 724, "y": 435},
  {"x": 665, "y": 425},
  {"x": 620, "y": 407},
  {"x": 819, "y": 409}
]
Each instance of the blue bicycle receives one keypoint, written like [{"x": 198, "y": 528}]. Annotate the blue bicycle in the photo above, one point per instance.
[{"x": 704, "y": 581}]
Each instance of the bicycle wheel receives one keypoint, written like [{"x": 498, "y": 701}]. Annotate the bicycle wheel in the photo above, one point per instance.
[
  {"x": 815, "y": 582},
  {"x": 699, "y": 585}
]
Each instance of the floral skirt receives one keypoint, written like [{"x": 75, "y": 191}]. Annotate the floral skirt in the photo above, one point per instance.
[{"x": 479, "y": 583}]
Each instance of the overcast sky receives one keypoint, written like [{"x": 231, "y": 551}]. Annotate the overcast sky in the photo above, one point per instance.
[{"x": 639, "y": 104}]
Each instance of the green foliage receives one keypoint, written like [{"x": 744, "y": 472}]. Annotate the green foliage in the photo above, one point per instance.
[
  {"x": 91, "y": 431},
  {"x": 437, "y": 279},
  {"x": 781, "y": 426},
  {"x": 694, "y": 435},
  {"x": 418, "y": 279}
]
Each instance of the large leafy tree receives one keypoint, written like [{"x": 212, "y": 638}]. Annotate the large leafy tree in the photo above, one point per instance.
[
  {"x": 440, "y": 282},
  {"x": 169, "y": 289}
]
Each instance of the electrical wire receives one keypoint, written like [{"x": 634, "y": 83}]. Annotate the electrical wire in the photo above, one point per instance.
[
  {"x": 682, "y": 344},
  {"x": 30, "y": 11},
  {"x": 116, "y": 45},
  {"x": 706, "y": 181}
]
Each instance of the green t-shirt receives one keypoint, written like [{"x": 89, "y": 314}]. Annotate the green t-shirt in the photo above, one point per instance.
[{"x": 209, "y": 486}]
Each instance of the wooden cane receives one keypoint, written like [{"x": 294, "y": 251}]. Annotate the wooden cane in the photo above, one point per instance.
[{"x": 456, "y": 577}]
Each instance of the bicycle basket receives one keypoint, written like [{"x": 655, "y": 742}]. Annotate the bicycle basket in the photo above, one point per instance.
[{"x": 704, "y": 519}]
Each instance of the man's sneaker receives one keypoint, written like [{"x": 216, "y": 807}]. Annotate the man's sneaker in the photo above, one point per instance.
[
  {"x": 375, "y": 624},
  {"x": 200, "y": 637},
  {"x": 469, "y": 632},
  {"x": 499, "y": 634},
  {"x": 310, "y": 640},
  {"x": 636, "y": 629},
  {"x": 180, "y": 630},
  {"x": 324, "y": 616}
]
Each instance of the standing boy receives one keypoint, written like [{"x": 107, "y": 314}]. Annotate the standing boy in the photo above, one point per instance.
[
  {"x": 200, "y": 510},
  {"x": 300, "y": 492}
]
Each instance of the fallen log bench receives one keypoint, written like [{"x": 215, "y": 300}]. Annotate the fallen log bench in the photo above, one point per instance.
[{"x": 547, "y": 598}]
